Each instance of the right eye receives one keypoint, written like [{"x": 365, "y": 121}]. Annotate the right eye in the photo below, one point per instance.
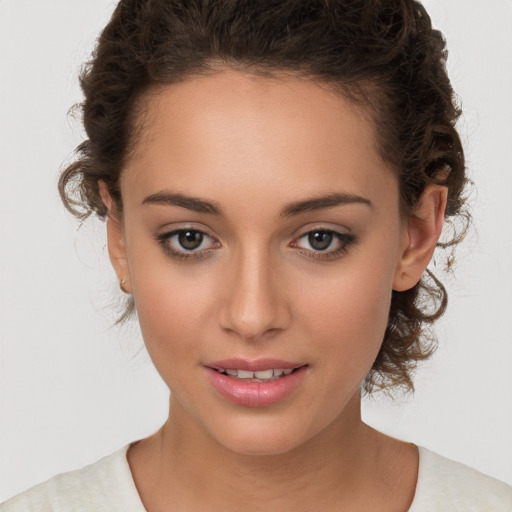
[{"x": 187, "y": 243}]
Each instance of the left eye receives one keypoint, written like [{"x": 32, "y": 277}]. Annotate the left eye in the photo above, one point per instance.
[
  {"x": 324, "y": 240},
  {"x": 189, "y": 239}
]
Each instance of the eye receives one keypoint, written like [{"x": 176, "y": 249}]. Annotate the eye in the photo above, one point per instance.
[
  {"x": 324, "y": 243},
  {"x": 320, "y": 240},
  {"x": 186, "y": 243},
  {"x": 189, "y": 240}
]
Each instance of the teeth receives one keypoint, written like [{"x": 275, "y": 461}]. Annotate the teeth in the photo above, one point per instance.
[
  {"x": 264, "y": 374},
  {"x": 260, "y": 375}
]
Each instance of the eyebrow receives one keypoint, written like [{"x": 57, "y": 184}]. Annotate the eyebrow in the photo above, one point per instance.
[
  {"x": 323, "y": 202},
  {"x": 202, "y": 206},
  {"x": 190, "y": 203}
]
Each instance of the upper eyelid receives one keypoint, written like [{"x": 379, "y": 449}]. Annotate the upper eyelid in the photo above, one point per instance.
[
  {"x": 174, "y": 232},
  {"x": 336, "y": 232},
  {"x": 171, "y": 231},
  {"x": 297, "y": 234},
  {"x": 322, "y": 226},
  {"x": 342, "y": 237}
]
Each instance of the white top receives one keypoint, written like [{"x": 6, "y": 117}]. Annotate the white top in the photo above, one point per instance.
[{"x": 108, "y": 486}]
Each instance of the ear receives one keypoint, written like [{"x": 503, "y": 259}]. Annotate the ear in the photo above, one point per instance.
[
  {"x": 421, "y": 231},
  {"x": 115, "y": 238}
]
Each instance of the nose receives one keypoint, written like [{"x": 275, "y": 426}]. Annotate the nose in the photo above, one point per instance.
[{"x": 254, "y": 304}]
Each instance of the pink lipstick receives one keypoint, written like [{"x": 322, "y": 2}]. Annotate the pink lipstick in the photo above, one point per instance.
[{"x": 255, "y": 383}]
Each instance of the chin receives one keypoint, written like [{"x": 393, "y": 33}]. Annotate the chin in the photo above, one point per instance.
[
  {"x": 264, "y": 438},
  {"x": 265, "y": 445}
]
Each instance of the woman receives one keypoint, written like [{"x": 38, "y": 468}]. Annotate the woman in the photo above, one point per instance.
[{"x": 274, "y": 180}]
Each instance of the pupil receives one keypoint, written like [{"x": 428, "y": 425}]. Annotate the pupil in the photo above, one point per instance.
[
  {"x": 190, "y": 239},
  {"x": 320, "y": 240}
]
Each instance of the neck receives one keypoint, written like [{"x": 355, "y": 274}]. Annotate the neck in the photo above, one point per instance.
[{"x": 185, "y": 466}]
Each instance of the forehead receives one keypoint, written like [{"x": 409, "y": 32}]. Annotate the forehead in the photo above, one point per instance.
[{"x": 229, "y": 128}]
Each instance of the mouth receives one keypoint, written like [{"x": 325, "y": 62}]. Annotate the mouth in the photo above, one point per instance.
[
  {"x": 256, "y": 383},
  {"x": 267, "y": 375}
]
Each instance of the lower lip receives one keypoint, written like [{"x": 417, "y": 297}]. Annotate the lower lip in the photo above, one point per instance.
[{"x": 256, "y": 394}]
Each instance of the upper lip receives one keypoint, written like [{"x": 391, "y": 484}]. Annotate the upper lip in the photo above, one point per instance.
[{"x": 254, "y": 365}]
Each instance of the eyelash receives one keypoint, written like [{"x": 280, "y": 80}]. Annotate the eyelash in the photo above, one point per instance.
[
  {"x": 164, "y": 238},
  {"x": 345, "y": 239}
]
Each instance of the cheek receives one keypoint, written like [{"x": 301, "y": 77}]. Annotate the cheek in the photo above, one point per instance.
[
  {"x": 346, "y": 318},
  {"x": 172, "y": 303},
  {"x": 171, "y": 326}
]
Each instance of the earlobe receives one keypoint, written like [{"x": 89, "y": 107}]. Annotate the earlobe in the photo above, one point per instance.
[
  {"x": 422, "y": 230},
  {"x": 115, "y": 238}
]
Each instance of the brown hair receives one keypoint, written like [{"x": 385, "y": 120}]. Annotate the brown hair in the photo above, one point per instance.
[{"x": 383, "y": 54}]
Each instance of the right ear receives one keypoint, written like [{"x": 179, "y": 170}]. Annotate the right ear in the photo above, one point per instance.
[{"x": 115, "y": 238}]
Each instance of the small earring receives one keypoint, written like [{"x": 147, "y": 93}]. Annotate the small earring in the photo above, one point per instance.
[{"x": 121, "y": 285}]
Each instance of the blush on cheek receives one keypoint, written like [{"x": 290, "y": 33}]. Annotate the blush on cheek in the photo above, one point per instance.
[
  {"x": 355, "y": 319},
  {"x": 171, "y": 312}
]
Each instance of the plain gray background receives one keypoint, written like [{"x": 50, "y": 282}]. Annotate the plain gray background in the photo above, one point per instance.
[{"x": 71, "y": 390}]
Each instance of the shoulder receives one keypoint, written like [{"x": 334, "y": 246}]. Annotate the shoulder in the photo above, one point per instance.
[
  {"x": 444, "y": 484},
  {"x": 106, "y": 485}
]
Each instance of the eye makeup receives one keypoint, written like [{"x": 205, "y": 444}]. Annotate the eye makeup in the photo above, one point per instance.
[
  {"x": 194, "y": 244},
  {"x": 321, "y": 240},
  {"x": 187, "y": 243}
]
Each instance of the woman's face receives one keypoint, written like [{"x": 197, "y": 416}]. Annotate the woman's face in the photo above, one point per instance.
[{"x": 260, "y": 223}]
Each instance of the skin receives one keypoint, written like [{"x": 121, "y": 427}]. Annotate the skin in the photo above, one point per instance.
[{"x": 260, "y": 289}]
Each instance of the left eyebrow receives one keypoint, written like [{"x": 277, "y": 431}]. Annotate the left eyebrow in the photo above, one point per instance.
[{"x": 323, "y": 202}]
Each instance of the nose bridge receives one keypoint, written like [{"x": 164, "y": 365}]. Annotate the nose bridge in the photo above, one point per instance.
[{"x": 253, "y": 305}]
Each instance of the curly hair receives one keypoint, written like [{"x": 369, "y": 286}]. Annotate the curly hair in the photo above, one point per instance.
[{"x": 382, "y": 54}]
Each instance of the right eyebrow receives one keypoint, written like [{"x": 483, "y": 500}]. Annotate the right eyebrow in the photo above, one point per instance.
[{"x": 190, "y": 203}]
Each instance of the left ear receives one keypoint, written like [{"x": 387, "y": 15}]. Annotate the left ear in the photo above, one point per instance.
[{"x": 422, "y": 230}]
